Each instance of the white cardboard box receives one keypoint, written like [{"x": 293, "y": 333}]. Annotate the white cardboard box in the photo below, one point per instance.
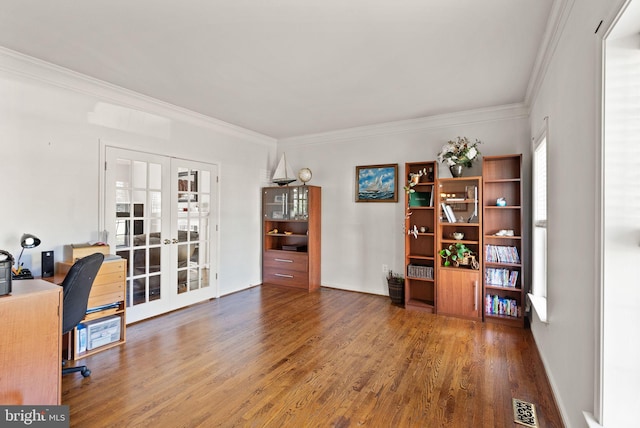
[{"x": 102, "y": 332}]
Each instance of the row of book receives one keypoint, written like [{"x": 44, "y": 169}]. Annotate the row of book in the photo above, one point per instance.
[
  {"x": 496, "y": 305},
  {"x": 448, "y": 212},
  {"x": 501, "y": 254},
  {"x": 501, "y": 277}
]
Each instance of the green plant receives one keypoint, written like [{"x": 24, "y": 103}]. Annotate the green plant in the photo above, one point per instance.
[
  {"x": 454, "y": 253},
  {"x": 395, "y": 277}
]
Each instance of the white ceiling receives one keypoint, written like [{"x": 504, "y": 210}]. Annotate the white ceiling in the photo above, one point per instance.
[{"x": 293, "y": 67}]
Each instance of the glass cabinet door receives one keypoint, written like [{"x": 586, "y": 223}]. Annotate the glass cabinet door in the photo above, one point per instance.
[
  {"x": 286, "y": 203},
  {"x": 299, "y": 203}
]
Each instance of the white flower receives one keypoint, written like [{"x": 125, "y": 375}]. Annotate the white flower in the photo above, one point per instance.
[{"x": 459, "y": 151}]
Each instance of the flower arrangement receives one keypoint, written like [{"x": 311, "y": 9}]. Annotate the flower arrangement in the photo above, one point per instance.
[{"x": 459, "y": 152}]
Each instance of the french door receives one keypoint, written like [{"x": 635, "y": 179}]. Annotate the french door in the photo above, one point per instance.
[{"x": 160, "y": 215}]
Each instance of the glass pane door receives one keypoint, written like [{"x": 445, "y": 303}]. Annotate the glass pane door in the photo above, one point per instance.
[
  {"x": 192, "y": 229},
  {"x": 135, "y": 190},
  {"x": 159, "y": 215}
]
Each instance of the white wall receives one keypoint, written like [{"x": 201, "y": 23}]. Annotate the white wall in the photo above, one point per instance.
[
  {"x": 569, "y": 96},
  {"x": 621, "y": 296},
  {"x": 49, "y": 161},
  {"x": 358, "y": 238}
]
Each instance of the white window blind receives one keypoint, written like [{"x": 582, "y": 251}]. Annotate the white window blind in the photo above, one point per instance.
[
  {"x": 540, "y": 187},
  {"x": 538, "y": 294}
]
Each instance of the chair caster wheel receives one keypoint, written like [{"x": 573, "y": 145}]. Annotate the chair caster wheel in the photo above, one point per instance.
[{"x": 86, "y": 372}]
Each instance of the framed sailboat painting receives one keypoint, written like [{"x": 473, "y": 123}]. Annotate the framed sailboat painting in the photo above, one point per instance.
[{"x": 377, "y": 183}]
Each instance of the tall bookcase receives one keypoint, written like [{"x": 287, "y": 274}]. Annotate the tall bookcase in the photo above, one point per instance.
[
  {"x": 504, "y": 291},
  {"x": 459, "y": 221},
  {"x": 419, "y": 242},
  {"x": 291, "y": 236}
]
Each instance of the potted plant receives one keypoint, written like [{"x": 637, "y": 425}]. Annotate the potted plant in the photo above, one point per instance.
[
  {"x": 414, "y": 178},
  {"x": 396, "y": 287},
  {"x": 459, "y": 254},
  {"x": 459, "y": 153}
]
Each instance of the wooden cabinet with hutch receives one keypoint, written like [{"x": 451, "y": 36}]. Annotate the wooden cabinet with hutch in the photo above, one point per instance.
[
  {"x": 504, "y": 291},
  {"x": 291, "y": 236},
  {"x": 459, "y": 221},
  {"x": 420, "y": 248}
]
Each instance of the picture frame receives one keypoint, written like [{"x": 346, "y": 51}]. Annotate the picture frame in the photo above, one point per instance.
[
  {"x": 188, "y": 186},
  {"x": 377, "y": 183}
]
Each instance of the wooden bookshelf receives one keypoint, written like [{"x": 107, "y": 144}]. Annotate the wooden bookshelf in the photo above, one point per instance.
[
  {"x": 503, "y": 279},
  {"x": 460, "y": 287},
  {"x": 419, "y": 248}
]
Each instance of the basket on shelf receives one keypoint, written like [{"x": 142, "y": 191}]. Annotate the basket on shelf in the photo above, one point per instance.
[{"x": 467, "y": 260}]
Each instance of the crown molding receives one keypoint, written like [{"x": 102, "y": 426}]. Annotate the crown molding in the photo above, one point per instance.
[
  {"x": 560, "y": 11},
  {"x": 24, "y": 66},
  {"x": 488, "y": 114}
]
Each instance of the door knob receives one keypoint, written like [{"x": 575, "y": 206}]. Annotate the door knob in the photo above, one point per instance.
[
  {"x": 175, "y": 241},
  {"x": 167, "y": 241}
]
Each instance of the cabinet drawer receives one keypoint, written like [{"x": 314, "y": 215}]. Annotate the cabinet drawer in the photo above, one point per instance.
[
  {"x": 290, "y": 262},
  {"x": 111, "y": 266},
  {"x": 101, "y": 289},
  {"x": 108, "y": 267},
  {"x": 108, "y": 278},
  {"x": 105, "y": 299},
  {"x": 288, "y": 278}
]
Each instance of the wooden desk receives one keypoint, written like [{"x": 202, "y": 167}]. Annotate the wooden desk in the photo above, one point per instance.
[{"x": 30, "y": 344}]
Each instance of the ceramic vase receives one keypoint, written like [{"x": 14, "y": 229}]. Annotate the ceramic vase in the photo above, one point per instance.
[{"x": 456, "y": 170}]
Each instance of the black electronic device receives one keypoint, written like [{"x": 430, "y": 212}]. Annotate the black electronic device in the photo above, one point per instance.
[
  {"x": 5, "y": 272},
  {"x": 47, "y": 264}
]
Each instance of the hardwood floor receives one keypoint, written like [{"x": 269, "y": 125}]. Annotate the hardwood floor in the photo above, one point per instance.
[{"x": 274, "y": 357}]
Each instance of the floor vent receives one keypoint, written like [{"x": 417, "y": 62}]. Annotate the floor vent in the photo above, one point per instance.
[{"x": 524, "y": 413}]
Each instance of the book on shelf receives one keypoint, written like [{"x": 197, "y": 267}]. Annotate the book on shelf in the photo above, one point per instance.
[
  {"x": 420, "y": 199},
  {"x": 501, "y": 277},
  {"x": 496, "y": 305},
  {"x": 443, "y": 206},
  {"x": 448, "y": 212},
  {"x": 501, "y": 254}
]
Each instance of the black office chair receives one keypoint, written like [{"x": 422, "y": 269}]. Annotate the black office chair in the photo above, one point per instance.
[{"x": 75, "y": 291}]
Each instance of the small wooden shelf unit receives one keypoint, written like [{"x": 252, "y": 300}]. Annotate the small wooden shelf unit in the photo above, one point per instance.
[{"x": 108, "y": 288}]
